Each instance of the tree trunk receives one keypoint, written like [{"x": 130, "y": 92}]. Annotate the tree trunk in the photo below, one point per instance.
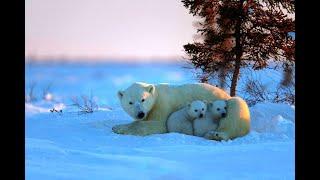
[
  {"x": 235, "y": 77},
  {"x": 238, "y": 47},
  {"x": 222, "y": 78}
]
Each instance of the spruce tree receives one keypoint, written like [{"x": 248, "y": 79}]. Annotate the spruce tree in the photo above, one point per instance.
[{"x": 240, "y": 33}]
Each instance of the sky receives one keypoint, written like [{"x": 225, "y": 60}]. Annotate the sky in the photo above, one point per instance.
[{"x": 107, "y": 29}]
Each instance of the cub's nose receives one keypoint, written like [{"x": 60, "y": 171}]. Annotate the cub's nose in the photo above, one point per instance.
[
  {"x": 140, "y": 115},
  {"x": 201, "y": 115},
  {"x": 223, "y": 114}
]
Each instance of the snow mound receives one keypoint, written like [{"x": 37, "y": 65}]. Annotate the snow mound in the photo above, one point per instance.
[
  {"x": 59, "y": 106},
  {"x": 283, "y": 126},
  {"x": 32, "y": 109},
  {"x": 273, "y": 118}
]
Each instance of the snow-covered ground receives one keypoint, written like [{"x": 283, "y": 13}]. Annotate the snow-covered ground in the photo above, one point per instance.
[{"x": 70, "y": 145}]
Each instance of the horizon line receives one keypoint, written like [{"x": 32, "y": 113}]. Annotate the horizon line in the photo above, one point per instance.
[
  {"x": 104, "y": 59},
  {"x": 47, "y": 58}
]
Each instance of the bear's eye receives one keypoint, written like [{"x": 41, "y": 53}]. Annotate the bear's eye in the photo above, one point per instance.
[
  {"x": 142, "y": 100},
  {"x": 218, "y": 109},
  {"x": 196, "y": 110},
  {"x": 225, "y": 107},
  {"x": 130, "y": 102},
  {"x": 202, "y": 109}
]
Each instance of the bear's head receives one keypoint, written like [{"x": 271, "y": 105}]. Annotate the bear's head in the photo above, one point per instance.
[
  {"x": 138, "y": 99},
  {"x": 218, "y": 109},
  {"x": 197, "y": 109}
]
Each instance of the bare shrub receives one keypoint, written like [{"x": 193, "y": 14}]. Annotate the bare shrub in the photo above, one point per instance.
[
  {"x": 286, "y": 90},
  {"x": 56, "y": 110},
  {"x": 85, "y": 104},
  {"x": 257, "y": 92},
  {"x": 288, "y": 76},
  {"x": 46, "y": 95},
  {"x": 285, "y": 95},
  {"x": 30, "y": 96}
]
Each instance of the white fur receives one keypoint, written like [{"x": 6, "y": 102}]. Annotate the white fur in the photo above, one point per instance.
[
  {"x": 181, "y": 120},
  {"x": 217, "y": 109},
  {"x": 210, "y": 121},
  {"x": 235, "y": 124},
  {"x": 160, "y": 101}
]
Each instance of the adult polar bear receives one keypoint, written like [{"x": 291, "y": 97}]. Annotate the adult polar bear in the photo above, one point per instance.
[{"x": 150, "y": 106}]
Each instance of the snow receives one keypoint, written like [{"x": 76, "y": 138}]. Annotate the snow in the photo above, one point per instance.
[
  {"x": 31, "y": 109},
  {"x": 59, "y": 106},
  {"x": 271, "y": 117},
  {"x": 70, "y": 145}
]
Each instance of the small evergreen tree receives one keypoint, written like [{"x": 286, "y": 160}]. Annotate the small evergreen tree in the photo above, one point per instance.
[{"x": 239, "y": 33}]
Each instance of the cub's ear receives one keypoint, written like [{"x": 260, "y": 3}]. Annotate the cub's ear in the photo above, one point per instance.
[
  {"x": 205, "y": 101},
  {"x": 210, "y": 104},
  {"x": 120, "y": 94},
  {"x": 189, "y": 105},
  {"x": 151, "y": 88}
]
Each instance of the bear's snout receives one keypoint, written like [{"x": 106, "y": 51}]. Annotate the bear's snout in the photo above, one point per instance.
[
  {"x": 201, "y": 115},
  {"x": 223, "y": 115},
  {"x": 141, "y": 115}
]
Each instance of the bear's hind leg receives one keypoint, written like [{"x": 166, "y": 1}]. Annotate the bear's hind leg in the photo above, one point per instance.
[{"x": 188, "y": 129}]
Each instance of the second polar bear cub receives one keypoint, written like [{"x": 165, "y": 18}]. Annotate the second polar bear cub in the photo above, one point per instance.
[
  {"x": 216, "y": 111},
  {"x": 181, "y": 120}
]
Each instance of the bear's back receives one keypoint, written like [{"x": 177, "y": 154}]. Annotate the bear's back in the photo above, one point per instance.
[
  {"x": 180, "y": 95},
  {"x": 171, "y": 98}
]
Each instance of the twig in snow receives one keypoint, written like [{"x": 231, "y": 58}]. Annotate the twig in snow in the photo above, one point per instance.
[{"x": 85, "y": 104}]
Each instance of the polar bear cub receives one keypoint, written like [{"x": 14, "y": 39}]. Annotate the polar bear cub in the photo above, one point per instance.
[
  {"x": 181, "y": 120},
  {"x": 215, "y": 111}
]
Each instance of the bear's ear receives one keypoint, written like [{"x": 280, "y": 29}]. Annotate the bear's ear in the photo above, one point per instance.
[
  {"x": 210, "y": 104},
  {"x": 120, "y": 94},
  {"x": 205, "y": 101},
  {"x": 151, "y": 88},
  {"x": 189, "y": 105}
]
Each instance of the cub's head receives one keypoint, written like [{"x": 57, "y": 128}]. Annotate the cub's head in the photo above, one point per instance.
[
  {"x": 218, "y": 109},
  {"x": 138, "y": 99},
  {"x": 197, "y": 109}
]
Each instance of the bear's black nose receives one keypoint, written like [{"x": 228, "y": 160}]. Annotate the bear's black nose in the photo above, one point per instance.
[
  {"x": 140, "y": 115},
  {"x": 223, "y": 114},
  {"x": 201, "y": 115}
]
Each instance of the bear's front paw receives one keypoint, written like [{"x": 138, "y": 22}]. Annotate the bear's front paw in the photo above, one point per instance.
[
  {"x": 120, "y": 129},
  {"x": 214, "y": 135},
  {"x": 220, "y": 136},
  {"x": 210, "y": 135}
]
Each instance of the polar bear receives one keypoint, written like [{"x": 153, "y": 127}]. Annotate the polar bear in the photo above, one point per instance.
[
  {"x": 181, "y": 120},
  {"x": 235, "y": 124},
  {"x": 216, "y": 110},
  {"x": 150, "y": 105}
]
